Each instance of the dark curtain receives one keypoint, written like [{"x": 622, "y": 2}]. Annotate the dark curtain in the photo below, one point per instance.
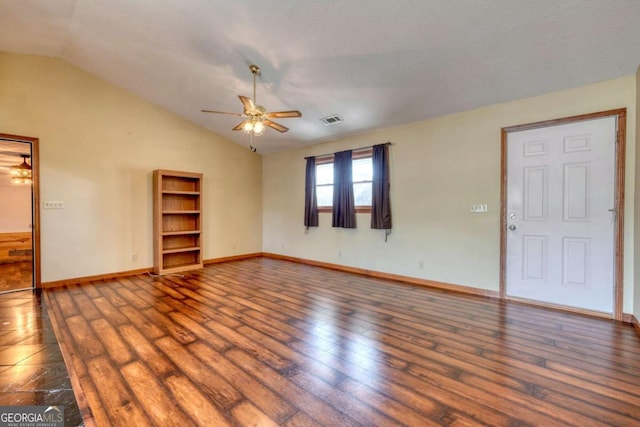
[
  {"x": 380, "y": 200},
  {"x": 310, "y": 200},
  {"x": 344, "y": 211}
]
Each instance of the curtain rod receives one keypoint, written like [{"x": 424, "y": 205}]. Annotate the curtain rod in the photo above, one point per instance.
[{"x": 354, "y": 149}]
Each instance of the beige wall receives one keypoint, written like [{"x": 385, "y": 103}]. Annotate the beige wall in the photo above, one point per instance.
[
  {"x": 98, "y": 146},
  {"x": 438, "y": 168}
]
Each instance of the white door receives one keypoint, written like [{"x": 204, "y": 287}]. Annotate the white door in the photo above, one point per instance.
[{"x": 560, "y": 214}]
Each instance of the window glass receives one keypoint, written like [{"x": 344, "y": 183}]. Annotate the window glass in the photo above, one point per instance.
[
  {"x": 362, "y": 169},
  {"x": 324, "y": 195},
  {"x": 362, "y": 193},
  {"x": 324, "y": 174},
  {"x": 362, "y": 173}
]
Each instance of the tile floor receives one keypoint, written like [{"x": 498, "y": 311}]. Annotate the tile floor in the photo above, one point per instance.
[{"x": 32, "y": 370}]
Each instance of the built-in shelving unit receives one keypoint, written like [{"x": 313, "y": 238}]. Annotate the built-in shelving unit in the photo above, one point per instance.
[{"x": 177, "y": 213}]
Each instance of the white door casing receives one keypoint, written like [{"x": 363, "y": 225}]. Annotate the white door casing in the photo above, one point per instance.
[{"x": 560, "y": 208}]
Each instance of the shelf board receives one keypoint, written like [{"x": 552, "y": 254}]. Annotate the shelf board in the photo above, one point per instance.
[
  {"x": 180, "y": 250},
  {"x": 179, "y": 268},
  {"x": 181, "y": 193},
  {"x": 180, "y": 212},
  {"x": 180, "y": 233}
]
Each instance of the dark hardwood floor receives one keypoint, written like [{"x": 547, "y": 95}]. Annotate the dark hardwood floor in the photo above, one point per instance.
[
  {"x": 15, "y": 276},
  {"x": 267, "y": 342}
]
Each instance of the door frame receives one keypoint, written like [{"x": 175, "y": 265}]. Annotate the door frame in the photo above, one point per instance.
[
  {"x": 35, "y": 200},
  {"x": 621, "y": 114}
]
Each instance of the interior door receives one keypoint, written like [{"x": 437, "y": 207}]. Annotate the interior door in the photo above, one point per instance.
[
  {"x": 560, "y": 237},
  {"x": 17, "y": 220}
]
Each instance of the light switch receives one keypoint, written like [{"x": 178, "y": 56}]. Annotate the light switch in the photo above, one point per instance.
[
  {"x": 54, "y": 204},
  {"x": 481, "y": 208}
]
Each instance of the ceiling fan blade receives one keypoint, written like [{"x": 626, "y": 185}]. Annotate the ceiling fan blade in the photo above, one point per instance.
[
  {"x": 284, "y": 114},
  {"x": 11, "y": 153},
  {"x": 247, "y": 103},
  {"x": 276, "y": 126},
  {"x": 221, "y": 112},
  {"x": 240, "y": 126}
]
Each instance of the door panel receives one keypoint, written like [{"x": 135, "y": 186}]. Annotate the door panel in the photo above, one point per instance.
[
  {"x": 534, "y": 257},
  {"x": 536, "y": 183},
  {"x": 560, "y": 197},
  {"x": 576, "y": 192},
  {"x": 575, "y": 261}
]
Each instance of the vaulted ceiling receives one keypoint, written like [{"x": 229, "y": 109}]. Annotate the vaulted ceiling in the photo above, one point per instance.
[{"x": 376, "y": 63}]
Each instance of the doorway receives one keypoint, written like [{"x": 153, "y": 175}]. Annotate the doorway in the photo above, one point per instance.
[
  {"x": 19, "y": 214},
  {"x": 562, "y": 213}
]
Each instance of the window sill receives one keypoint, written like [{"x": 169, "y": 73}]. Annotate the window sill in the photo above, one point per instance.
[{"x": 359, "y": 209}]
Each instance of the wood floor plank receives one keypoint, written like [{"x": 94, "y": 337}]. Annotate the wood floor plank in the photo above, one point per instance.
[
  {"x": 314, "y": 406},
  {"x": 255, "y": 348},
  {"x": 246, "y": 414},
  {"x": 222, "y": 393},
  {"x": 146, "y": 326},
  {"x": 87, "y": 342},
  {"x": 127, "y": 294},
  {"x": 109, "y": 311},
  {"x": 270, "y": 342},
  {"x": 421, "y": 392},
  {"x": 117, "y": 349},
  {"x": 153, "y": 397},
  {"x": 122, "y": 408},
  {"x": 300, "y": 419},
  {"x": 393, "y": 408},
  {"x": 194, "y": 403},
  {"x": 146, "y": 351},
  {"x": 181, "y": 334},
  {"x": 325, "y": 373},
  {"x": 199, "y": 331},
  {"x": 268, "y": 401},
  {"x": 611, "y": 413}
]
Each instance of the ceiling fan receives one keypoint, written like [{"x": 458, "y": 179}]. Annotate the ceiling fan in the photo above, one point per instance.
[{"x": 255, "y": 116}]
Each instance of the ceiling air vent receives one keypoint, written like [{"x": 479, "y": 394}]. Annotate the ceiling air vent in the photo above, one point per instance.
[{"x": 331, "y": 120}]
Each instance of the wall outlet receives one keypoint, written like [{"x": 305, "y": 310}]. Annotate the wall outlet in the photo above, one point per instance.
[
  {"x": 134, "y": 257},
  {"x": 54, "y": 205}
]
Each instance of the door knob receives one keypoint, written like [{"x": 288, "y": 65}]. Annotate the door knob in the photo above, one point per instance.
[{"x": 511, "y": 227}]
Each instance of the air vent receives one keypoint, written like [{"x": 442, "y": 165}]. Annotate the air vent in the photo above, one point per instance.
[{"x": 331, "y": 120}]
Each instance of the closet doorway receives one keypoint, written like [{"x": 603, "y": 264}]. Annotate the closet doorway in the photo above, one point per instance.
[{"x": 19, "y": 214}]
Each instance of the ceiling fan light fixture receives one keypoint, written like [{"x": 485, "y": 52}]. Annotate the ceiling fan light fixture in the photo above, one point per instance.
[
  {"x": 254, "y": 126},
  {"x": 258, "y": 128},
  {"x": 256, "y": 118},
  {"x": 21, "y": 174}
]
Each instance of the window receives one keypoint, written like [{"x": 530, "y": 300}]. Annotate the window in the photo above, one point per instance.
[{"x": 362, "y": 170}]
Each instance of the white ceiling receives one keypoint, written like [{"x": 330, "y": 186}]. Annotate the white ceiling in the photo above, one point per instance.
[{"x": 376, "y": 63}]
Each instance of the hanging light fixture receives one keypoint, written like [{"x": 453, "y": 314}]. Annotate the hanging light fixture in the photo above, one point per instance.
[
  {"x": 256, "y": 114},
  {"x": 254, "y": 126},
  {"x": 256, "y": 119},
  {"x": 21, "y": 174}
]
